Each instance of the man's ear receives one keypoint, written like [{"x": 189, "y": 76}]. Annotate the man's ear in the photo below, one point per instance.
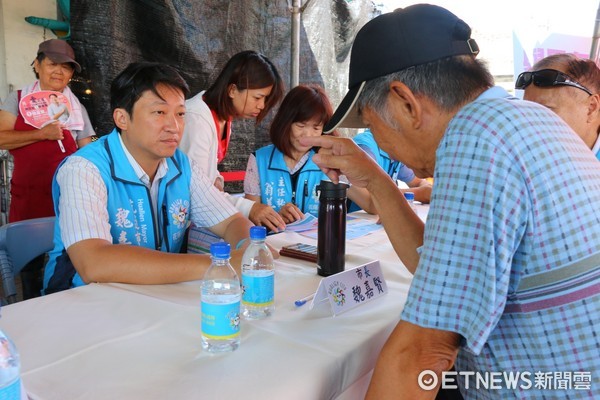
[
  {"x": 593, "y": 112},
  {"x": 121, "y": 118},
  {"x": 402, "y": 99}
]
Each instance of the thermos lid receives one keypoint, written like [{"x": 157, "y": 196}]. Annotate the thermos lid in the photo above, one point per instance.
[{"x": 330, "y": 190}]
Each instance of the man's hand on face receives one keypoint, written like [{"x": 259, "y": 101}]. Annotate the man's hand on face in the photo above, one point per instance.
[{"x": 341, "y": 156}]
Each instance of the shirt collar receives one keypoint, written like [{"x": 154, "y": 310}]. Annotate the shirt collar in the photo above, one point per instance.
[
  {"x": 495, "y": 92},
  {"x": 596, "y": 147},
  {"x": 139, "y": 171}
]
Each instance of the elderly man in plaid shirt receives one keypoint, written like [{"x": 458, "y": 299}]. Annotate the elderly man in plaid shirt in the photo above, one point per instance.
[{"x": 506, "y": 271}]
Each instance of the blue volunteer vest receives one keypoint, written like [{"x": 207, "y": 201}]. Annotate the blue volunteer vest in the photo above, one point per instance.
[
  {"x": 366, "y": 139},
  {"x": 276, "y": 183},
  {"x": 391, "y": 167},
  {"x": 132, "y": 218}
]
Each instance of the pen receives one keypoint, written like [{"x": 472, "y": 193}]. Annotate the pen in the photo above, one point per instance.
[{"x": 303, "y": 301}]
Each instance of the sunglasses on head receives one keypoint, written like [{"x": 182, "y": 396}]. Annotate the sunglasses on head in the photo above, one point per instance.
[{"x": 547, "y": 78}]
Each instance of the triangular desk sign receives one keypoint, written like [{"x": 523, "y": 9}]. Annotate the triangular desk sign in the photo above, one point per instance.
[{"x": 348, "y": 289}]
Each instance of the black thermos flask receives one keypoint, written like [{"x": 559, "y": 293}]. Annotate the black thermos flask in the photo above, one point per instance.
[{"x": 331, "y": 239}]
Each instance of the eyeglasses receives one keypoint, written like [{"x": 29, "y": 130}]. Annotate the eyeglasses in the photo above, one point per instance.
[{"x": 547, "y": 78}]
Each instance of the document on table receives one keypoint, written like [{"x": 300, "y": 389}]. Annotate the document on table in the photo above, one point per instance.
[
  {"x": 307, "y": 223},
  {"x": 355, "y": 227},
  {"x": 358, "y": 227}
]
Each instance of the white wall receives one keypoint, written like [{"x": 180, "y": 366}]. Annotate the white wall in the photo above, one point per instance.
[
  {"x": 19, "y": 40},
  {"x": 3, "y": 83}
]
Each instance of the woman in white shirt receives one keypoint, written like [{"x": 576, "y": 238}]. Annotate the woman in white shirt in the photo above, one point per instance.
[{"x": 247, "y": 87}]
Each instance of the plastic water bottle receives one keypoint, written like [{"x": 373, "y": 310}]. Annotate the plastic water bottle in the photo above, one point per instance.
[
  {"x": 258, "y": 277},
  {"x": 221, "y": 295},
  {"x": 10, "y": 378},
  {"x": 410, "y": 198}
]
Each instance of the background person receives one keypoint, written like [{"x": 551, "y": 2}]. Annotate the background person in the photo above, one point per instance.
[
  {"x": 247, "y": 87},
  {"x": 124, "y": 202},
  {"x": 283, "y": 174},
  {"x": 31, "y": 195},
  {"x": 36, "y": 152},
  {"x": 394, "y": 168},
  {"x": 506, "y": 264},
  {"x": 569, "y": 86}
]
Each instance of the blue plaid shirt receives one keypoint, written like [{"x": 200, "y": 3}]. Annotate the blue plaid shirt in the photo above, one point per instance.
[{"x": 511, "y": 254}]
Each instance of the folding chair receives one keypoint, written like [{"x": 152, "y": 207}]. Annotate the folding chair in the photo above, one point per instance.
[
  {"x": 6, "y": 167},
  {"x": 21, "y": 242}
]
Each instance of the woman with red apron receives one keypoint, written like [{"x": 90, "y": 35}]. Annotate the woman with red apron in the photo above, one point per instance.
[
  {"x": 38, "y": 152},
  {"x": 34, "y": 167}
]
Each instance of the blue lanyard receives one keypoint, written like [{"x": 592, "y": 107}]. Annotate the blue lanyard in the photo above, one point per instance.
[{"x": 392, "y": 169}]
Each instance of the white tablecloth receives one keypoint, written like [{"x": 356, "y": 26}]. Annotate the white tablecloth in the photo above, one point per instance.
[{"x": 117, "y": 341}]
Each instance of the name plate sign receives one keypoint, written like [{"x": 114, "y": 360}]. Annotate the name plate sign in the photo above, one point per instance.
[{"x": 349, "y": 289}]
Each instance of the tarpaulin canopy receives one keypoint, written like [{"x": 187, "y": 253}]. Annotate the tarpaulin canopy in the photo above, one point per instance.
[{"x": 198, "y": 37}]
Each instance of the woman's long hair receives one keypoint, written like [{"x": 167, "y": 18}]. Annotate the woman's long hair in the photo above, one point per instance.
[{"x": 246, "y": 70}]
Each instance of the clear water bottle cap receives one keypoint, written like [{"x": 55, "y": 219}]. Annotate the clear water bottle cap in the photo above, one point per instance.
[
  {"x": 258, "y": 232},
  {"x": 410, "y": 196},
  {"x": 220, "y": 250}
]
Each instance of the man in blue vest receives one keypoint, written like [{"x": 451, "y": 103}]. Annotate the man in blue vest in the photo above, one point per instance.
[{"x": 124, "y": 202}]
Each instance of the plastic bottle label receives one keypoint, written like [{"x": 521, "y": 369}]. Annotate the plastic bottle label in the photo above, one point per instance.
[
  {"x": 258, "y": 290},
  {"x": 12, "y": 391},
  {"x": 221, "y": 321}
]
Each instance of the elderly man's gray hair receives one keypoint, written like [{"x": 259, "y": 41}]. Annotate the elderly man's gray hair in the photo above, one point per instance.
[{"x": 450, "y": 83}]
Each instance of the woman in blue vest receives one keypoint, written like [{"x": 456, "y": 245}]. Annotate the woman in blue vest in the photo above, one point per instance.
[
  {"x": 283, "y": 174},
  {"x": 394, "y": 168}
]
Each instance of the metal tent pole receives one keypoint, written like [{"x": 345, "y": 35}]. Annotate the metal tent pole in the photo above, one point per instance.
[
  {"x": 296, "y": 9},
  {"x": 295, "y": 50},
  {"x": 594, "y": 52}
]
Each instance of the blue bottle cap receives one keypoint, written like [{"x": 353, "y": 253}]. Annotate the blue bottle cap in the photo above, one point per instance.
[
  {"x": 220, "y": 250},
  {"x": 409, "y": 196},
  {"x": 258, "y": 232}
]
